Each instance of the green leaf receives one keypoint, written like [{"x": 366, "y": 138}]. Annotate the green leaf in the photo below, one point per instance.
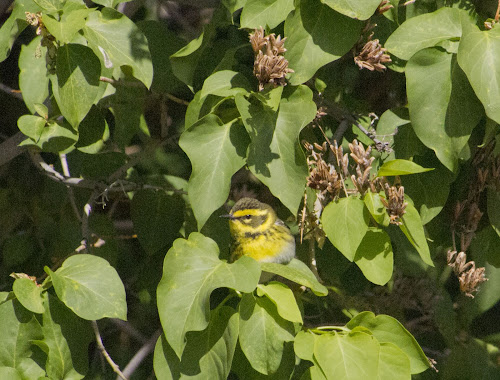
[
  {"x": 14, "y": 25},
  {"x": 162, "y": 44},
  {"x": 90, "y": 287},
  {"x": 110, "y": 3},
  {"x": 303, "y": 345},
  {"x": 78, "y": 71},
  {"x": 50, "y": 5},
  {"x": 484, "y": 73},
  {"x": 282, "y": 296},
  {"x": 216, "y": 152},
  {"x": 374, "y": 256},
  {"x": 65, "y": 340},
  {"x": 297, "y": 272},
  {"x": 33, "y": 80},
  {"x": 317, "y": 35},
  {"x": 208, "y": 353},
  {"x": 93, "y": 132},
  {"x": 413, "y": 229},
  {"x": 376, "y": 207},
  {"x": 262, "y": 333},
  {"x": 32, "y": 126},
  {"x": 352, "y": 356},
  {"x": 196, "y": 55},
  {"x": 18, "y": 329},
  {"x": 128, "y": 104},
  {"x": 122, "y": 41},
  {"x": 225, "y": 83},
  {"x": 9, "y": 373},
  {"x": 274, "y": 155},
  {"x": 28, "y": 294},
  {"x": 388, "y": 330},
  {"x": 313, "y": 373},
  {"x": 345, "y": 223},
  {"x": 183, "y": 298},
  {"x": 54, "y": 138},
  {"x": 70, "y": 23},
  {"x": 360, "y": 10},
  {"x": 418, "y": 33},
  {"x": 265, "y": 13},
  {"x": 401, "y": 167},
  {"x": 429, "y": 191},
  {"x": 493, "y": 208},
  {"x": 393, "y": 363},
  {"x": 157, "y": 218},
  {"x": 440, "y": 95}
]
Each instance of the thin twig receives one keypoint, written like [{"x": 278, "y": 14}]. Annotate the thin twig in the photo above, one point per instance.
[
  {"x": 71, "y": 194},
  {"x": 14, "y": 93},
  {"x": 98, "y": 339},
  {"x": 177, "y": 100},
  {"x": 497, "y": 15},
  {"x": 120, "y": 82},
  {"x": 143, "y": 352},
  {"x": 312, "y": 259},
  {"x": 125, "y": 186}
]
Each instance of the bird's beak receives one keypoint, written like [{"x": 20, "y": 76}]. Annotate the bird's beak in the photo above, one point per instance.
[{"x": 228, "y": 216}]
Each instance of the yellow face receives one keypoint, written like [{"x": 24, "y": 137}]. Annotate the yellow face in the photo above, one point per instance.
[
  {"x": 249, "y": 217},
  {"x": 251, "y": 221}
]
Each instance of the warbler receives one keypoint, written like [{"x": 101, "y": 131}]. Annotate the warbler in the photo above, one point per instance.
[{"x": 257, "y": 232}]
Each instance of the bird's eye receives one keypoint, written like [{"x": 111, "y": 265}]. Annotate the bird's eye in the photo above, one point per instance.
[{"x": 248, "y": 217}]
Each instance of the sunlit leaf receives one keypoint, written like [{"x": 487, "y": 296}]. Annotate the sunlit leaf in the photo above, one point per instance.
[
  {"x": 216, "y": 151},
  {"x": 78, "y": 71},
  {"x": 413, "y": 229},
  {"x": 297, "y": 272},
  {"x": 345, "y": 223},
  {"x": 484, "y": 73},
  {"x": 374, "y": 256},
  {"x": 388, "y": 329},
  {"x": 29, "y": 294},
  {"x": 283, "y": 298},
  {"x": 351, "y": 356},
  {"x": 262, "y": 333},
  {"x": 440, "y": 95},
  {"x": 191, "y": 271},
  {"x": 317, "y": 35},
  {"x": 33, "y": 80},
  {"x": 265, "y": 13},
  {"x": 122, "y": 41},
  {"x": 208, "y": 353},
  {"x": 18, "y": 328},
  {"x": 89, "y": 286},
  {"x": 360, "y": 10},
  {"x": 424, "y": 31},
  {"x": 400, "y": 167}
]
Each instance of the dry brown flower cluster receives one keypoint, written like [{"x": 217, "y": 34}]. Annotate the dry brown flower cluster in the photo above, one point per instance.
[
  {"x": 372, "y": 56},
  {"x": 468, "y": 275},
  {"x": 468, "y": 214},
  {"x": 329, "y": 180},
  {"x": 364, "y": 162},
  {"x": 384, "y": 6},
  {"x": 322, "y": 176},
  {"x": 395, "y": 203},
  {"x": 270, "y": 67}
]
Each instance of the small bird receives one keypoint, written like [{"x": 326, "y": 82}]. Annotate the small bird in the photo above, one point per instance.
[{"x": 258, "y": 233}]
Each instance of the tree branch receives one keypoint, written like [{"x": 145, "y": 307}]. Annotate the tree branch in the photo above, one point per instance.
[
  {"x": 143, "y": 352},
  {"x": 104, "y": 353}
]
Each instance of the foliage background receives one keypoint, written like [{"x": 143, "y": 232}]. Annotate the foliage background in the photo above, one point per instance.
[{"x": 138, "y": 120}]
